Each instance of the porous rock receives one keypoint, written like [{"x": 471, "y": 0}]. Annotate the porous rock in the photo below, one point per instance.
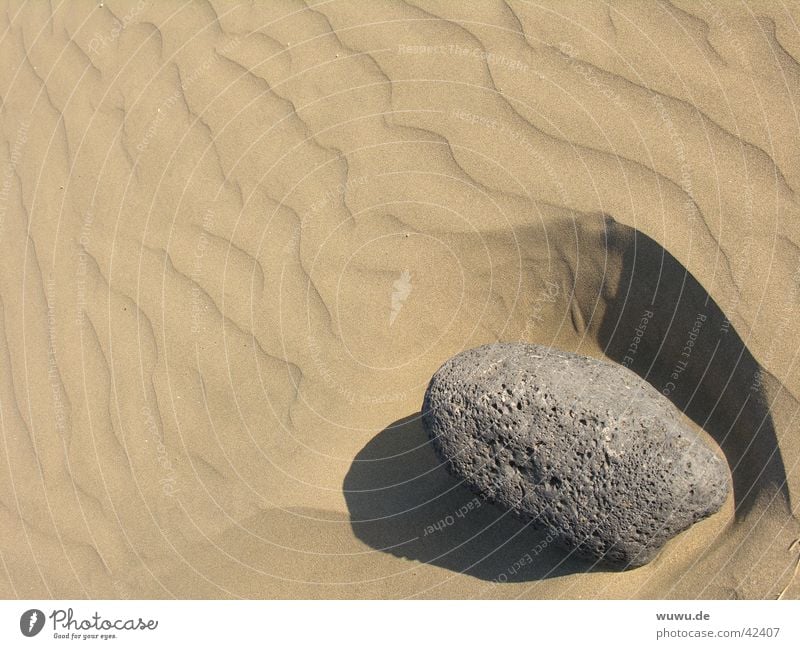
[{"x": 581, "y": 447}]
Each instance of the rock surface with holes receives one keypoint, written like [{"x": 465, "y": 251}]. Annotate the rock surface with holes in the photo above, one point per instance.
[{"x": 582, "y": 447}]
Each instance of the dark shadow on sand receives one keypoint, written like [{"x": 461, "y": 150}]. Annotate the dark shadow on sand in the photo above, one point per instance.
[
  {"x": 403, "y": 501},
  {"x": 715, "y": 380}
]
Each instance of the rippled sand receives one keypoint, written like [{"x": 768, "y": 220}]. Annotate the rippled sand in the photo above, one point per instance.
[{"x": 238, "y": 241}]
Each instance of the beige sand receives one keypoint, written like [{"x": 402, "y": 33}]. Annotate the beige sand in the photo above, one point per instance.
[{"x": 238, "y": 241}]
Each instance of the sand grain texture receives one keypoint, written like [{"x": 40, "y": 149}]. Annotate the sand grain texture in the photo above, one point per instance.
[{"x": 237, "y": 242}]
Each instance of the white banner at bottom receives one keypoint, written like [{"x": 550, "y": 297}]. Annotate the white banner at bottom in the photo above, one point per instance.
[{"x": 152, "y": 624}]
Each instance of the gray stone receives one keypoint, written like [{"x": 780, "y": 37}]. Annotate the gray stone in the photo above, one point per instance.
[{"x": 581, "y": 447}]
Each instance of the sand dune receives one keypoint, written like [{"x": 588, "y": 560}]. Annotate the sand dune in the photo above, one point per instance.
[{"x": 239, "y": 240}]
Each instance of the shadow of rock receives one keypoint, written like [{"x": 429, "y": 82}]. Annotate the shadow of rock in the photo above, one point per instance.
[
  {"x": 658, "y": 321},
  {"x": 664, "y": 326},
  {"x": 402, "y": 501}
]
